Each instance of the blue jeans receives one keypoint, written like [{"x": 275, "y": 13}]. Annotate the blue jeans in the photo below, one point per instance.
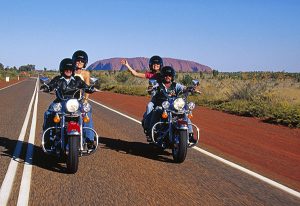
[
  {"x": 147, "y": 115},
  {"x": 88, "y": 134},
  {"x": 48, "y": 116}
]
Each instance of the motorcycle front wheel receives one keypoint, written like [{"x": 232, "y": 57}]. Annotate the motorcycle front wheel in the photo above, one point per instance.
[
  {"x": 73, "y": 156},
  {"x": 179, "y": 149}
]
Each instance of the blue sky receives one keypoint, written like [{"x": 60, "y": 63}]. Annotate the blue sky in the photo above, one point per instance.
[{"x": 227, "y": 35}]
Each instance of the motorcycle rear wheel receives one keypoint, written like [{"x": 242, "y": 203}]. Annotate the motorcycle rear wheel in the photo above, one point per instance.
[
  {"x": 73, "y": 155},
  {"x": 179, "y": 150}
]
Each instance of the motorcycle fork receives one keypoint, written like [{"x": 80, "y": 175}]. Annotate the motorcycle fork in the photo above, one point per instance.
[
  {"x": 81, "y": 133},
  {"x": 170, "y": 127},
  {"x": 62, "y": 133},
  {"x": 179, "y": 127}
]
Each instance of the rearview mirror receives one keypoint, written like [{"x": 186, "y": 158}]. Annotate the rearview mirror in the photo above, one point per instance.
[
  {"x": 44, "y": 80},
  {"x": 93, "y": 80},
  {"x": 195, "y": 82},
  {"x": 152, "y": 82}
]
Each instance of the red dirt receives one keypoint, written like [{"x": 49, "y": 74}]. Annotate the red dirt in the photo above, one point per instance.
[
  {"x": 3, "y": 83},
  {"x": 270, "y": 150}
]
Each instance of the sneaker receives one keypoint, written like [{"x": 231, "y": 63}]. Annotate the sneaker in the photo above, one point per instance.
[{"x": 191, "y": 138}]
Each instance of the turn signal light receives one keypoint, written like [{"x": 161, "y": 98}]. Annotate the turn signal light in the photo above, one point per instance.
[
  {"x": 164, "y": 115},
  {"x": 56, "y": 119},
  {"x": 190, "y": 115},
  {"x": 86, "y": 119}
]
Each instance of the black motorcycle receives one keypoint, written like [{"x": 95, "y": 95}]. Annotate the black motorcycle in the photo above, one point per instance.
[
  {"x": 171, "y": 131},
  {"x": 64, "y": 138}
]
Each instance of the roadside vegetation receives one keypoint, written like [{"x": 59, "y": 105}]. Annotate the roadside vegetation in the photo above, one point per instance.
[
  {"x": 14, "y": 72},
  {"x": 271, "y": 96}
]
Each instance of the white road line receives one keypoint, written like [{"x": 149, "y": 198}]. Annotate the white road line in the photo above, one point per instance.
[
  {"x": 231, "y": 164},
  {"x": 7, "y": 183},
  {"x": 12, "y": 85},
  {"x": 23, "y": 198}
]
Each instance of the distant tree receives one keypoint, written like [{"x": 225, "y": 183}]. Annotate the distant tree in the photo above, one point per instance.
[
  {"x": 187, "y": 80},
  {"x": 27, "y": 68},
  {"x": 215, "y": 73},
  {"x": 45, "y": 69},
  {"x": 1, "y": 66}
]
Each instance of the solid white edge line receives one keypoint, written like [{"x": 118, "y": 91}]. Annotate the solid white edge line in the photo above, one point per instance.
[
  {"x": 231, "y": 164},
  {"x": 251, "y": 173},
  {"x": 23, "y": 198},
  {"x": 7, "y": 183},
  {"x": 11, "y": 85}
]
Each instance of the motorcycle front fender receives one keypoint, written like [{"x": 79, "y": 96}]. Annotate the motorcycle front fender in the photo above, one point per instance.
[
  {"x": 73, "y": 128},
  {"x": 181, "y": 125}
]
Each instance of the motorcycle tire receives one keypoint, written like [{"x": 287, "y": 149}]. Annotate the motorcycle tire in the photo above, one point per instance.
[
  {"x": 73, "y": 155},
  {"x": 179, "y": 150}
]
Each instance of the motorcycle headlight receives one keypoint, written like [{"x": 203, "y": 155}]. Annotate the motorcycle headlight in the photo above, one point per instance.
[
  {"x": 72, "y": 105},
  {"x": 165, "y": 104},
  {"x": 191, "y": 105},
  {"x": 56, "y": 107},
  {"x": 86, "y": 107},
  {"x": 179, "y": 104}
]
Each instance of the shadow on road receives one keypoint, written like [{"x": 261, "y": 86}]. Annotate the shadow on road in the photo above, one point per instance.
[
  {"x": 145, "y": 150},
  {"x": 40, "y": 159}
]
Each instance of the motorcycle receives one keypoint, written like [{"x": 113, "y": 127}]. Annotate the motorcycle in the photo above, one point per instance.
[
  {"x": 64, "y": 138},
  {"x": 171, "y": 131}
]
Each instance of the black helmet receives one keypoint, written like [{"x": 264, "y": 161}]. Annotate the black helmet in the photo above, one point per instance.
[
  {"x": 168, "y": 71},
  {"x": 65, "y": 64},
  {"x": 155, "y": 60},
  {"x": 80, "y": 55}
]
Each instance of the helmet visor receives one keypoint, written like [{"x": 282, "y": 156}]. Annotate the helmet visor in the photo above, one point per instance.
[
  {"x": 81, "y": 59},
  {"x": 168, "y": 73},
  {"x": 68, "y": 66}
]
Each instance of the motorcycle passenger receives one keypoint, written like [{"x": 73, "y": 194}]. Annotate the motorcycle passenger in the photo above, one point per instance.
[
  {"x": 67, "y": 84},
  {"x": 155, "y": 64},
  {"x": 168, "y": 87},
  {"x": 80, "y": 60}
]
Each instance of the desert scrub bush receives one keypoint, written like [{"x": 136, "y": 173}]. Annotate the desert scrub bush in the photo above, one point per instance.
[
  {"x": 122, "y": 76},
  {"x": 248, "y": 90},
  {"x": 130, "y": 90},
  {"x": 104, "y": 78},
  {"x": 187, "y": 80},
  {"x": 284, "y": 113}
]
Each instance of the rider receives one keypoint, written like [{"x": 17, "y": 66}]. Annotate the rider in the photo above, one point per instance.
[
  {"x": 168, "y": 87},
  {"x": 67, "y": 85},
  {"x": 80, "y": 60},
  {"x": 155, "y": 64}
]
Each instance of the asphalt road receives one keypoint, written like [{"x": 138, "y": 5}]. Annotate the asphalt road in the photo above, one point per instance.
[{"x": 125, "y": 170}]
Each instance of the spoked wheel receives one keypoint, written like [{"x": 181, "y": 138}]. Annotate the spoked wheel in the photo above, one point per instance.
[
  {"x": 179, "y": 149},
  {"x": 73, "y": 154}
]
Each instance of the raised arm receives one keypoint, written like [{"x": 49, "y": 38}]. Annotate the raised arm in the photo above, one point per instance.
[{"x": 133, "y": 72}]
